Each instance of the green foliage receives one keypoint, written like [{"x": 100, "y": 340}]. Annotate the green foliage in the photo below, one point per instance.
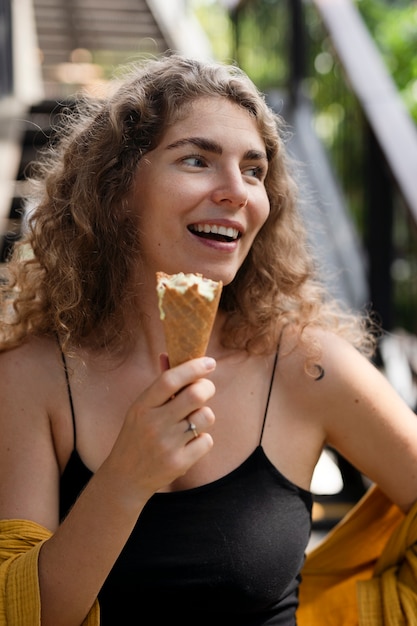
[
  {"x": 257, "y": 41},
  {"x": 214, "y": 18},
  {"x": 262, "y": 34},
  {"x": 394, "y": 29}
]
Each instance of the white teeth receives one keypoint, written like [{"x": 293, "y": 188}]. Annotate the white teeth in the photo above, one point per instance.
[
  {"x": 228, "y": 232},
  {"x": 216, "y": 230}
]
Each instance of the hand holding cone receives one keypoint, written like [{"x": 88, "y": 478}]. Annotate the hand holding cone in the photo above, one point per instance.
[{"x": 188, "y": 305}]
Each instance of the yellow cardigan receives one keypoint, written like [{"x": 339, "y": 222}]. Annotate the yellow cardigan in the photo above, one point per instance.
[
  {"x": 364, "y": 573},
  {"x": 20, "y": 543}
]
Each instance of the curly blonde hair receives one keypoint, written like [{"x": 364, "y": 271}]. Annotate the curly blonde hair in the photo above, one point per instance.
[{"x": 69, "y": 275}]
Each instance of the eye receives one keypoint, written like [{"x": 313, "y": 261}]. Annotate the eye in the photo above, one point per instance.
[
  {"x": 255, "y": 171},
  {"x": 194, "y": 160}
]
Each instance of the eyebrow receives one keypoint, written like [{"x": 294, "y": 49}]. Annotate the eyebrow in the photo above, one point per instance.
[{"x": 212, "y": 146}]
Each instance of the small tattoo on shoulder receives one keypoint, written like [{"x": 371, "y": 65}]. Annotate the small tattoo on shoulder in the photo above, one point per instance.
[{"x": 321, "y": 372}]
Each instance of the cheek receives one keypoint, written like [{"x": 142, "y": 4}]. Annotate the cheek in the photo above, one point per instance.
[
  {"x": 266, "y": 212},
  {"x": 262, "y": 211},
  {"x": 259, "y": 217}
]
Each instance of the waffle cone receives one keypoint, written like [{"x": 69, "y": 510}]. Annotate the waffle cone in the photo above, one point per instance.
[{"x": 188, "y": 321}]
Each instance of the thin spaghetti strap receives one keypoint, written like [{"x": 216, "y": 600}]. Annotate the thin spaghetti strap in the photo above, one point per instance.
[
  {"x": 270, "y": 388},
  {"x": 269, "y": 396},
  {"x": 70, "y": 400}
]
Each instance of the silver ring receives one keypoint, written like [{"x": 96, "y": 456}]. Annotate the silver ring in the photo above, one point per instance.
[{"x": 192, "y": 428}]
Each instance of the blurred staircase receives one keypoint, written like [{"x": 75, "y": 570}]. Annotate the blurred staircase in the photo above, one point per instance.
[
  {"x": 36, "y": 131},
  {"x": 76, "y": 45}
]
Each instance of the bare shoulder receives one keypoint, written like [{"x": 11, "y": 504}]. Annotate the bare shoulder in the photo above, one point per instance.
[
  {"x": 30, "y": 378},
  {"x": 305, "y": 403},
  {"x": 29, "y": 367},
  {"x": 321, "y": 355},
  {"x": 332, "y": 378},
  {"x": 34, "y": 348},
  {"x": 361, "y": 414}
]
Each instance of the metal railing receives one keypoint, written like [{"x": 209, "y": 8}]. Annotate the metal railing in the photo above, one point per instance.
[{"x": 6, "y": 58}]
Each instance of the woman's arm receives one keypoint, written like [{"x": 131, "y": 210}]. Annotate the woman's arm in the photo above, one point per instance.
[{"x": 366, "y": 420}]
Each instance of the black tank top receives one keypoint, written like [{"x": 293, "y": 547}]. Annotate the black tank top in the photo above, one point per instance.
[{"x": 228, "y": 553}]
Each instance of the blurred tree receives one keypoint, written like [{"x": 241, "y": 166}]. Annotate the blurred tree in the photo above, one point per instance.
[{"x": 393, "y": 25}]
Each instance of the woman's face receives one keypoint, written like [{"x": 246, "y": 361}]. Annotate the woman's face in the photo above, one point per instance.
[{"x": 200, "y": 195}]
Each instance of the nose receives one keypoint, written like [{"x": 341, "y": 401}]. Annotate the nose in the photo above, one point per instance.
[{"x": 231, "y": 190}]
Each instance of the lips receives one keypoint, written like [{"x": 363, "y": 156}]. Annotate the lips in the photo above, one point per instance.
[{"x": 215, "y": 231}]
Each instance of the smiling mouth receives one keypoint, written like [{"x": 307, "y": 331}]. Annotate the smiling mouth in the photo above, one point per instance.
[{"x": 215, "y": 232}]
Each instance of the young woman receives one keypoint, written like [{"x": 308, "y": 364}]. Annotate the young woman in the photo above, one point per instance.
[{"x": 113, "y": 511}]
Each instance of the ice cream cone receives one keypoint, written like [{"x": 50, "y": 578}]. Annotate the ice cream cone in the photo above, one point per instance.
[{"x": 188, "y": 305}]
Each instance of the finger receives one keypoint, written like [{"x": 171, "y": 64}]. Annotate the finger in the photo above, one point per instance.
[
  {"x": 174, "y": 380},
  {"x": 196, "y": 423},
  {"x": 196, "y": 448},
  {"x": 164, "y": 362},
  {"x": 191, "y": 429},
  {"x": 191, "y": 398}
]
